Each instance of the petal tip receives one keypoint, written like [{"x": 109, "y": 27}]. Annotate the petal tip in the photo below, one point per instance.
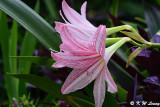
[
  {"x": 113, "y": 90},
  {"x": 58, "y": 26},
  {"x": 63, "y": 91},
  {"x": 64, "y": 3}
]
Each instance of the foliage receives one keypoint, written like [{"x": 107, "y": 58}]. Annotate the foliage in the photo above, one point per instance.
[{"x": 25, "y": 61}]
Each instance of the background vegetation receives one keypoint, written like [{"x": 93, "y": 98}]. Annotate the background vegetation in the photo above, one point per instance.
[{"x": 27, "y": 32}]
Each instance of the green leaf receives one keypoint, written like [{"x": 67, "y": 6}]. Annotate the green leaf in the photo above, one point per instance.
[
  {"x": 122, "y": 94},
  {"x": 4, "y": 32},
  {"x": 133, "y": 55},
  {"x": 114, "y": 7},
  {"x": 50, "y": 87},
  {"x": 49, "y": 98},
  {"x": 152, "y": 19},
  {"x": 36, "y": 59},
  {"x": 110, "y": 101},
  {"x": 27, "y": 49},
  {"x": 13, "y": 52},
  {"x": 121, "y": 75},
  {"x": 134, "y": 36},
  {"x": 51, "y": 7},
  {"x": 32, "y": 22},
  {"x": 78, "y": 102}
]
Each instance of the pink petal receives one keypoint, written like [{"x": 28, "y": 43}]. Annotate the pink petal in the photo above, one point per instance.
[
  {"x": 58, "y": 26},
  {"x": 58, "y": 65},
  {"x": 68, "y": 48},
  {"x": 79, "y": 78},
  {"x": 83, "y": 10},
  {"x": 73, "y": 16},
  {"x": 112, "y": 87},
  {"x": 78, "y": 33},
  {"x": 97, "y": 41},
  {"x": 75, "y": 60},
  {"x": 68, "y": 37},
  {"x": 99, "y": 90},
  {"x": 63, "y": 17}
]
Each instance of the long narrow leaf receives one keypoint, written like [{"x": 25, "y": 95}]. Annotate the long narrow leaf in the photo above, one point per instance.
[
  {"x": 4, "y": 32},
  {"x": 50, "y": 87},
  {"x": 36, "y": 59},
  {"x": 13, "y": 52},
  {"x": 51, "y": 6},
  {"x": 152, "y": 17},
  {"x": 110, "y": 101},
  {"x": 27, "y": 49},
  {"x": 32, "y": 22}
]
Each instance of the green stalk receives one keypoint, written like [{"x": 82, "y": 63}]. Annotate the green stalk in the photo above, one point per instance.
[
  {"x": 136, "y": 36},
  {"x": 154, "y": 45},
  {"x": 110, "y": 41}
]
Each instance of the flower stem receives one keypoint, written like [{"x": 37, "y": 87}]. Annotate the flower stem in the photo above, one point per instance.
[
  {"x": 110, "y": 41},
  {"x": 112, "y": 30},
  {"x": 154, "y": 45},
  {"x": 136, "y": 36}
]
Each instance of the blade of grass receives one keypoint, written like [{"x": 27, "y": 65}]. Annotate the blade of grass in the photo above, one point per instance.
[
  {"x": 114, "y": 12},
  {"x": 47, "y": 62},
  {"x": 121, "y": 75},
  {"x": 27, "y": 49},
  {"x": 13, "y": 52},
  {"x": 109, "y": 100},
  {"x": 152, "y": 17},
  {"x": 32, "y": 22},
  {"x": 4, "y": 32},
  {"x": 114, "y": 7},
  {"x": 51, "y": 6},
  {"x": 78, "y": 102},
  {"x": 51, "y": 87}
]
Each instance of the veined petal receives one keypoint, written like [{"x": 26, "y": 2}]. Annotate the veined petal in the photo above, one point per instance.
[
  {"x": 58, "y": 65},
  {"x": 99, "y": 90},
  {"x": 73, "y": 16},
  {"x": 75, "y": 60},
  {"x": 83, "y": 10},
  {"x": 69, "y": 38},
  {"x": 58, "y": 26},
  {"x": 78, "y": 33},
  {"x": 112, "y": 87},
  {"x": 97, "y": 41},
  {"x": 63, "y": 17},
  {"x": 70, "y": 49},
  {"x": 79, "y": 78}
]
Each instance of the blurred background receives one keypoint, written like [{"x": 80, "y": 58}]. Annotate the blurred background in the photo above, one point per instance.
[{"x": 142, "y": 13}]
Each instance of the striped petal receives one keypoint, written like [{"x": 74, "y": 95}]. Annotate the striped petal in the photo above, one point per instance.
[
  {"x": 63, "y": 17},
  {"x": 83, "y": 10},
  {"x": 58, "y": 65},
  {"x": 111, "y": 84},
  {"x": 97, "y": 41},
  {"x": 75, "y": 60},
  {"x": 67, "y": 48},
  {"x": 58, "y": 26},
  {"x": 79, "y": 78},
  {"x": 99, "y": 90},
  {"x": 72, "y": 36},
  {"x": 73, "y": 16}
]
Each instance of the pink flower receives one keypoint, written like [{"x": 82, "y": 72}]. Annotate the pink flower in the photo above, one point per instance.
[
  {"x": 75, "y": 19},
  {"x": 83, "y": 49},
  {"x": 88, "y": 58}
]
